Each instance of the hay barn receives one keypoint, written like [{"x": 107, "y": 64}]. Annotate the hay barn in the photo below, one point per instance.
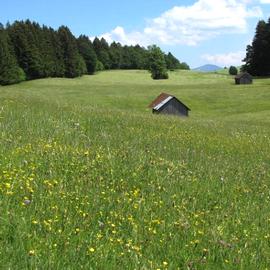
[
  {"x": 243, "y": 78},
  {"x": 169, "y": 104}
]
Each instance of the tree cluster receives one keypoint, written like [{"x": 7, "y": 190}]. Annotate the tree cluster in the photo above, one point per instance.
[
  {"x": 173, "y": 63},
  {"x": 257, "y": 60},
  {"x": 30, "y": 51}
]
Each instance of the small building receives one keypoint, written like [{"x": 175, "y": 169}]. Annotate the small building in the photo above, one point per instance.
[
  {"x": 243, "y": 78},
  {"x": 169, "y": 104}
]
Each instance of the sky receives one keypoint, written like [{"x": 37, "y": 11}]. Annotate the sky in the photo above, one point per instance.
[{"x": 195, "y": 31}]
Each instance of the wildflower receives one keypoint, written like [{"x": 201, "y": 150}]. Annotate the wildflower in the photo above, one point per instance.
[
  {"x": 91, "y": 249},
  {"x": 8, "y": 185},
  {"x": 101, "y": 224},
  {"x": 31, "y": 253}
]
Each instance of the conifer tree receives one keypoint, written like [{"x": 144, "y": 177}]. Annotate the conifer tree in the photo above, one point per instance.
[
  {"x": 257, "y": 60},
  {"x": 172, "y": 62},
  {"x": 102, "y": 51},
  {"x": 59, "y": 65},
  {"x": 115, "y": 55},
  {"x": 88, "y": 53},
  {"x": 74, "y": 63},
  {"x": 25, "y": 48},
  {"x": 10, "y": 72}
]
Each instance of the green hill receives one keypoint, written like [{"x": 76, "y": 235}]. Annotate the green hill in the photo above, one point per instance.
[{"x": 90, "y": 179}]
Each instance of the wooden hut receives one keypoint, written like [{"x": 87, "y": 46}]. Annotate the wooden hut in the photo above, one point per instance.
[
  {"x": 169, "y": 104},
  {"x": 243, "y": 78}
]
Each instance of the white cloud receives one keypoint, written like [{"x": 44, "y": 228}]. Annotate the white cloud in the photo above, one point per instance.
[
  {"x": 190, "y": 25},
  {"x": 265, "y": 1},
  {"x": 227, "y": 59},
  {"x": 118, "y": 34}
]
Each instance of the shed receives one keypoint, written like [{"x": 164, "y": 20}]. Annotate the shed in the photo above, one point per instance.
[
  {"x": 243, "y": 78},
  {"x": 169, "y": 104}
]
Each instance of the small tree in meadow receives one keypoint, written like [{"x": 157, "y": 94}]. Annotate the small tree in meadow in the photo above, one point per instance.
[
  {"x": 233, "y": 70},
  {"x": 157, "y": 63}
]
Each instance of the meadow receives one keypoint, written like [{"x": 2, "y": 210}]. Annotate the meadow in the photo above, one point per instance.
[{"x": 90, "y": 179}]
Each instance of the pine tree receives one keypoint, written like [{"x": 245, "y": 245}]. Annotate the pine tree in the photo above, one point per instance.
[
  {"x": 141, "y": 57},
  {"x": 257, "y": 55},
  {"x": 10, "y": 72},
  {"x": 27, "y": 53},
  {"x": 115, "y": 55},
  {"x": 172, "y": 62},
  {"x": 59, "y": 64},
  {"x": 74, "y": 64},
  {"x": 88, "y": 53},
  {"x": 126, "y": 61},
  {"x": 47, "y": 47},
  {"x": 102, "y": 51}
]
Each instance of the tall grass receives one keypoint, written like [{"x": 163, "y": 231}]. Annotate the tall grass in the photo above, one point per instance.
[{"x": 90, "y": 179}]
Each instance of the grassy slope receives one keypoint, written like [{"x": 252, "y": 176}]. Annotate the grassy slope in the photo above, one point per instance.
[{"x": 112, "y": 186}]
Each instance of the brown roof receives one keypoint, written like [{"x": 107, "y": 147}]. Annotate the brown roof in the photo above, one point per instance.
[{"x": 159, "y": 99}]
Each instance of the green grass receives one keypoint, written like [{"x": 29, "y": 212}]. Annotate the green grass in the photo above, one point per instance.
[{"x": 90, "y": 179}]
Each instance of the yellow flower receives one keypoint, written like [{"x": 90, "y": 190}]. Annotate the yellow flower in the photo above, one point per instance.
[
  {"x": 8, "y": 185},
  {"x": 165, "y": 263},
  {"x": 91, "y": 249},
  {"x": 31, "y": 253}
]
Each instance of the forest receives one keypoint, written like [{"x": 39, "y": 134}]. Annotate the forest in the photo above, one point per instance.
[{"x": 29, "y": 51}]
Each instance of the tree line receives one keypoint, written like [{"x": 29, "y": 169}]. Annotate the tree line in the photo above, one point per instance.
[
  {"x": 30, "y": 51},
  {"x": 257, "y": 60}
]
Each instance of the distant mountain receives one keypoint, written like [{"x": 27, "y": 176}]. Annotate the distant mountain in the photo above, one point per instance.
[{"x": 208, "y": 68}]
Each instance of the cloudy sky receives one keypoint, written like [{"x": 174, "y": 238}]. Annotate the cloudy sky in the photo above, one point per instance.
[{"x": 197, "y": 32}]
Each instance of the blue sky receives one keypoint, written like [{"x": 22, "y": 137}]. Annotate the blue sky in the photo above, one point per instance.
[{"x": 197, "y": 32}]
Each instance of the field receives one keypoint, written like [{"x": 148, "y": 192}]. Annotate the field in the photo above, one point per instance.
[{"x": 90, "y": 179}]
